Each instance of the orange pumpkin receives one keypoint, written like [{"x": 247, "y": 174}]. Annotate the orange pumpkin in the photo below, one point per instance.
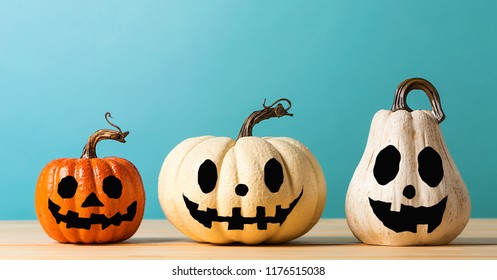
[{"x": 91, "y": 199}]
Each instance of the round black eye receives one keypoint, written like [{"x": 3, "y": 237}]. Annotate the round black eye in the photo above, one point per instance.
[
  {"x": 273, "y": 175},
  {"x": 386, "y": 166},
  {"x": 112, "y": 187},
  {"x": 430, "y": 167},
  {"x": 67, "y": 187},
  {"x": 207, "y": 176}
]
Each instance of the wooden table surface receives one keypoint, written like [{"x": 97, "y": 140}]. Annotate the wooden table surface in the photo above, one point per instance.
[{"x": 158, "y": 239}]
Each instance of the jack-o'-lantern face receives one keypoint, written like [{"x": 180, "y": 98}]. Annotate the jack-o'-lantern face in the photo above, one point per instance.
[
  {"x": 95, "y": 200},
  {"x": 90, "y": 199},
  {"x": 430, "y": 170},
  {"x": 250, "y": 190},
  {"x": 111, "y": 188},
  {"x": 273, "y": 180},
  {"x": 407, "y": 190}
]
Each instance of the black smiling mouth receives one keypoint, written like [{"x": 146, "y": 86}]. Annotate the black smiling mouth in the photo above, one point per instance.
[
  {"x": 409, "y": 217},
  {"x": 73, "y": 220},
  {"x": 237, "y": 221}
]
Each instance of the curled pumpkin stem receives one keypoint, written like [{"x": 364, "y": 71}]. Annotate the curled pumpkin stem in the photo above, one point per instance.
[
  {"x": 275, "y": 110},
  {"x": 400, "y": 98},
  {"x": 107, "y": 116},
  {"x": 90, "y": 149}
]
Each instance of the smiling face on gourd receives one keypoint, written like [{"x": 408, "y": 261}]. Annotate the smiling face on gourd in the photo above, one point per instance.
[
  {"x": 96, "y": 195},
  {"x": 406, "y": 189},
  {"x": 252, "y": 190},
  {"x": 90, "y": 199}
]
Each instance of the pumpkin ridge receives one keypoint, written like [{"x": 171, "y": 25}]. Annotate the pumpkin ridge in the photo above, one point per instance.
[
  {"x": 72, "y": 166},
  {"x": 426, "y": 119},
  {"x": 111, "y": 163},
  {"x": 231, "y": 147},
  {"x": 136, "y": 182},
  {"x": 180, "y": 165},
  {"x": 220, "y": 226},
  {"x": 225, "y": 151},
  {"x": 85, "y": 237},
  {"x": 56, "y": 179},
  {"x": 284, "y": 164},
  {"x": 316, "y": 211},
  {"x": 54, "y": 169}
]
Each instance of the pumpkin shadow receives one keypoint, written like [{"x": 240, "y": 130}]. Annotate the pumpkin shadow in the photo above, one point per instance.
[
  {"x": 154, "y": 240},
  {"x": 300, "y": 242},
  {"x": 474, "y": 241},
  {"x": 324, "y": 241}
]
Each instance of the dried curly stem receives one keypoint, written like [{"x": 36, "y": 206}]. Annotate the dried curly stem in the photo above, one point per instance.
[
  {"x": 90, "y": 149},
  {"x": 275, "y": 110}
]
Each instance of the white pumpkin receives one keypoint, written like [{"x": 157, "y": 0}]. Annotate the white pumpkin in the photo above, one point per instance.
[
  {"x": 250, "y": 190},
  {"x": 407, "y": 190}
]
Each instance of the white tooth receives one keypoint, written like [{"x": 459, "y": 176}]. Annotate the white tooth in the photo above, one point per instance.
[
  {"x": 396, "y": 204},
  {"x": 248, "y": 212},
  {"x": 202, "y": 207},
  {"x": 422, "y": 229},
  {"x": 395, "y": 207},
  {"x": 270, "y": 211}
]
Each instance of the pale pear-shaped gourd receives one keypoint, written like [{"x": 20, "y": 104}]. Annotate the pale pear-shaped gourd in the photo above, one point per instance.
[
  {"x": 407, "y": 190},
  {"x": 250, "y": 190}
]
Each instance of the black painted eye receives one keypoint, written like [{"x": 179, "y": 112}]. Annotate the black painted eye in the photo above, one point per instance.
[
  {"x": 207, "y": 176},
  {"x": 273, "y": 175},
  {"x": 386, "y": 166},
  {"x": 112, "y": 187},
  {"x": 430, "y": 167},
  {"x": 67, "y": 187}
]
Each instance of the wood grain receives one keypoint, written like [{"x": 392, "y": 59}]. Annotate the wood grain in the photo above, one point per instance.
[{"x": 158, "y": 239}]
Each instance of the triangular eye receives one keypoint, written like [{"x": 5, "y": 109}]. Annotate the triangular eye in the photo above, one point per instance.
[
  {"x": 273, "y": 175},
  {"x": 386, "y": 166},
  {"x": 430, "y": 167},
  {"x": 67, "y": 187},
  {"x": 207, "y": 176}
]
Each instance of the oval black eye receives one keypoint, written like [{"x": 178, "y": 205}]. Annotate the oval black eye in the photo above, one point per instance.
[
  {"x": 67, "y": 187},
  {"x": 386, "y": 166},
  {"x": 207, "y": 176},
  {"x": 112, "y": 187},
  {"x": 430, "y": 167},
  {"x": 273, "y": 175}
]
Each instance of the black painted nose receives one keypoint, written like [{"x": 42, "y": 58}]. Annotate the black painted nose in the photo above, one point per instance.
[
  {"x": 409, "y": 191},
  {"x": 92, "y": 201},
  {"x": 241, "y": 189}
]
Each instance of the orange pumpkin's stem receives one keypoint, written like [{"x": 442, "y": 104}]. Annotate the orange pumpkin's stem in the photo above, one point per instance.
[
  {"x": 268, "y": 112},
  {"x": 400, "y": 98},
  {"x": 90, "y": 149}
]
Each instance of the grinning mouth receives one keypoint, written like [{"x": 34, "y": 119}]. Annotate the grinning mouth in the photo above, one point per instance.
[
  {"x": 73, "y": 220},
  {"x": 409, "y": 217},
  {"x": 237, "y": 221}
]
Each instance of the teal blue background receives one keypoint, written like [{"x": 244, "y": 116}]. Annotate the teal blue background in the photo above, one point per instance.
[{"x": 170, "y": 70}]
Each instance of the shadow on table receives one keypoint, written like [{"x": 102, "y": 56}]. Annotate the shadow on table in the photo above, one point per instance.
[
  {"x": 307, "y": 241},
  {"x": 145, "y": 240},
  {"x": 474, "y": 241},
  {"x": 302, "y": 241}
]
